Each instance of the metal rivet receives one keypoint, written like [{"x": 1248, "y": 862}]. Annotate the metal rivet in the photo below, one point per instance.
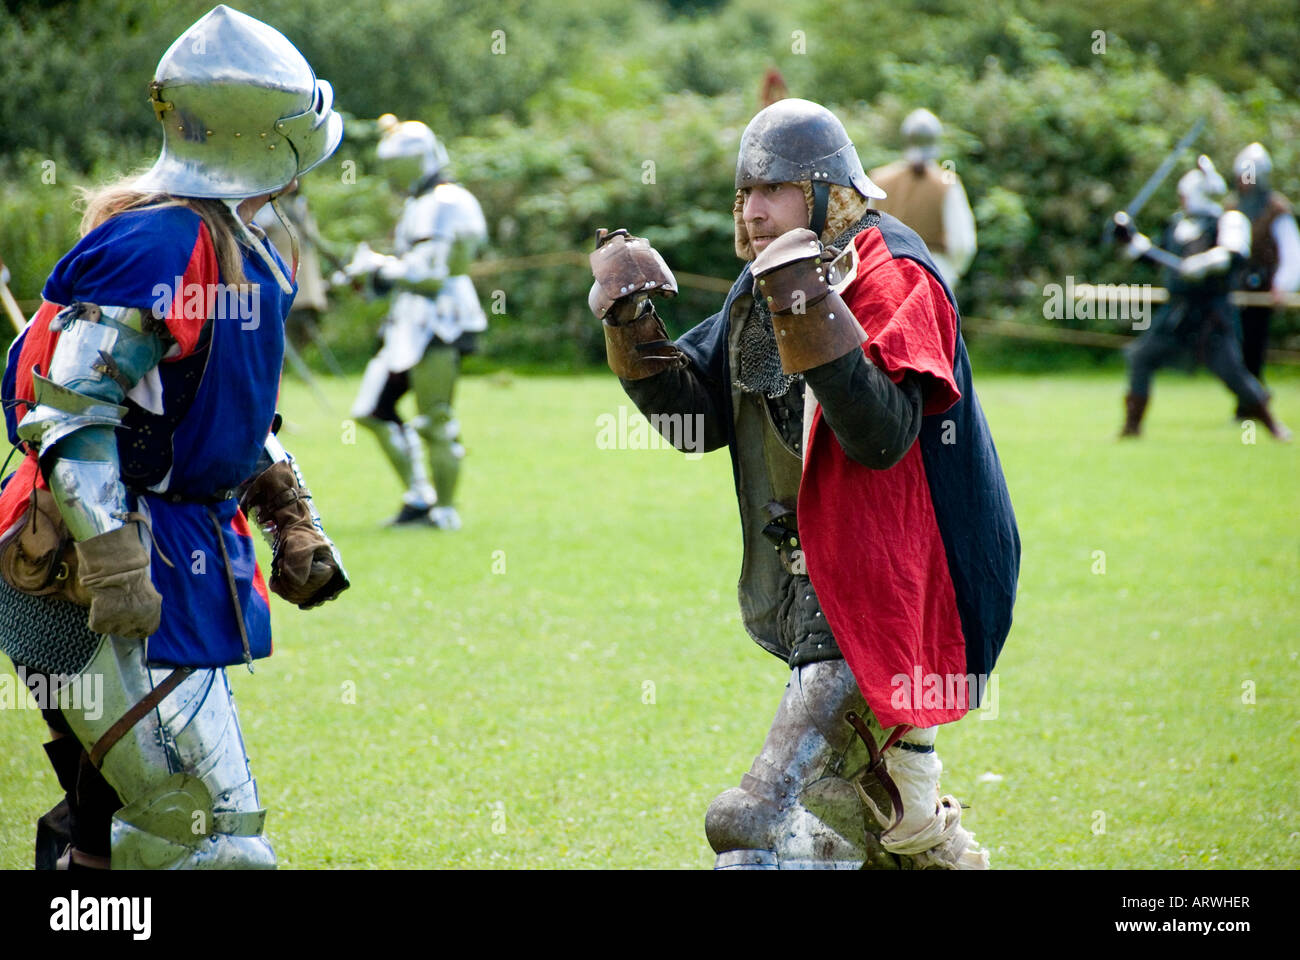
[
  {"x": 272, "y": 146},
  {"x": 208, "y": 133},
  {"x": 239, "y": 134},
  {"x": 262, "y": 135},
  {"x": 832, "y": 316}
]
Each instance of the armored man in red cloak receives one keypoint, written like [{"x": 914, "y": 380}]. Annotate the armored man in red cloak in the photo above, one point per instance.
[{"x": 880, "y": 548}]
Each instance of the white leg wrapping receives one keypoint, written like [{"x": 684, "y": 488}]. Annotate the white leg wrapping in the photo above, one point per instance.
[{"x": 930, "y": 830}]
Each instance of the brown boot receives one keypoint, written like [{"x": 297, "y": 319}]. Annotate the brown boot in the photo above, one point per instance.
[
  {"x": 1134, "y": 408},
  {"x": 1274, "y": 426}
]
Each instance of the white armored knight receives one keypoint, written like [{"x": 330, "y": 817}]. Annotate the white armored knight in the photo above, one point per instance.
[
  {"x": 142, "y": 396},
  {"x": 434, "y": 320}
]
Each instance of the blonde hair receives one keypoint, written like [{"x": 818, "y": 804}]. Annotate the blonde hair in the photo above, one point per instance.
[
  {"x": 107, "y": 201},
  {"x": 844, "y": 208}
]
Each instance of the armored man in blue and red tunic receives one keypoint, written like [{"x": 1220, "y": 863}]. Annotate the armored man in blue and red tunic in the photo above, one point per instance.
[
  {"x": 881, "y": 552},
  {"x": 142, "y": 396}
]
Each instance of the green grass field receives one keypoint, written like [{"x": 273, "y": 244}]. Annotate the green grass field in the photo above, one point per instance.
[{"x": 566, "y": 683}]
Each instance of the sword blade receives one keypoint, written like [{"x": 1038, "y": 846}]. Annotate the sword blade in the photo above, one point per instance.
[{"x": 1153, "y": 182}]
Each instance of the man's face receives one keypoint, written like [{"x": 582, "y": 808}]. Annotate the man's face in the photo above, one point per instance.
[{"x": 772, "y": 209}]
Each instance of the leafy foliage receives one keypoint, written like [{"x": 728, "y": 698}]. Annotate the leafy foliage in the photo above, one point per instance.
[{"x": 628, "y": 114}]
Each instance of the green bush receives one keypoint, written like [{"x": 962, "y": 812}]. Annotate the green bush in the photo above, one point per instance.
[{"x": 629, "y": 114}]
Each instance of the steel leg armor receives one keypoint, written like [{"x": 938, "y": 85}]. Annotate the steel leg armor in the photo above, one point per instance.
[
  {"x": 434, "y": 383},
  {"x": 401, "y": 444},
  {"x": 801, "y": 805},
  {"x": 181, "y": 771},
  {"x": 797, "y": 807}
]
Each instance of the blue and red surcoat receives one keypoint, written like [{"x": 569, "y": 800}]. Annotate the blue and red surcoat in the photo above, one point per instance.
[{"x": 219, "y": 387}]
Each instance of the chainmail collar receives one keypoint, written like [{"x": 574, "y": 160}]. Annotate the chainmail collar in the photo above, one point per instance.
[
  {"x": 868, "y": 220},
  {"x": 759, "y": 367}
]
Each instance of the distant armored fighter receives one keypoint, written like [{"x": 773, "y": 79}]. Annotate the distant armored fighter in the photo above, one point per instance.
[
  {"x": 435, "y": 318},
  {"x": 929, "y": 199}
]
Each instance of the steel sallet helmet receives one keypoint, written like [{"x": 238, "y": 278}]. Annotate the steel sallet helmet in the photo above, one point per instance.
[
  {"x": 411, "y": 139},
  {"x": 795, "y": 140},
  {"x": 241, "y": 109},
  {"x": 1253, "y": 165},
  {"x": 921, "y": 131}
]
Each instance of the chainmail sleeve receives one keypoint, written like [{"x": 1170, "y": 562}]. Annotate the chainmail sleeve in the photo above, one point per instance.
[{"x": 875, "y": 420}]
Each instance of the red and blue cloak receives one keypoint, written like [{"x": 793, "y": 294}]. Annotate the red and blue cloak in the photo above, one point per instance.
[{"x": 915, "y": 566}]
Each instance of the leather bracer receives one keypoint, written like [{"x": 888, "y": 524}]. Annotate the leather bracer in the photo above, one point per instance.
[
  {"x": 812, "y": 322},
  {"x": 628, "y": 271}
]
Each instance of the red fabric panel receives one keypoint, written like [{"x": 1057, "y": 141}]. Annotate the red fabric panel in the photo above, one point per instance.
[
  {"x": 870, "y": 538},
  {"x": 38, "y": 348},
  {"x": 189, "y": 307},
  {"x": 239, "y": 523}
]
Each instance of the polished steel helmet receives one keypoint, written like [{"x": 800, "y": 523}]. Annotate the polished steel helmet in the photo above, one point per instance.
[
  {"x": 411, "y": 139},
  {"x": 1253, "y": 165},
  {"x": 921, "y": 131},
  {"x": 241, "y": 110},
  {"x": 795, "y": 140}
]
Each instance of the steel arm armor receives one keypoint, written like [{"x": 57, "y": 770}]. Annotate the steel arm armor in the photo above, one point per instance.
[
  {"x": 438, "y": 237},
  {"x": 1232, "y": 243},
  {"x": 101, "y": 355}
]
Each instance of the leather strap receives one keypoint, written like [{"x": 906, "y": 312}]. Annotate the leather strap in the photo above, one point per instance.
[
  {"x": 877, "y": 767},
  {"x": 135, "y": 516},
  {"x": 133, "y": 716},
  {"x": 821, "y": 199},
  {"x": 234, "y": 590}
]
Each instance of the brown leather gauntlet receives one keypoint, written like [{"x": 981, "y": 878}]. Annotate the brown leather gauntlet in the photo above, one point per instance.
[
  {"x": 813, "y": 324},
  {"x": 640, "y": 347},
  {"x": 114, "y": 569},
  {"x": 628, "y": 272},
  {"x": 304, "y": 568}
]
